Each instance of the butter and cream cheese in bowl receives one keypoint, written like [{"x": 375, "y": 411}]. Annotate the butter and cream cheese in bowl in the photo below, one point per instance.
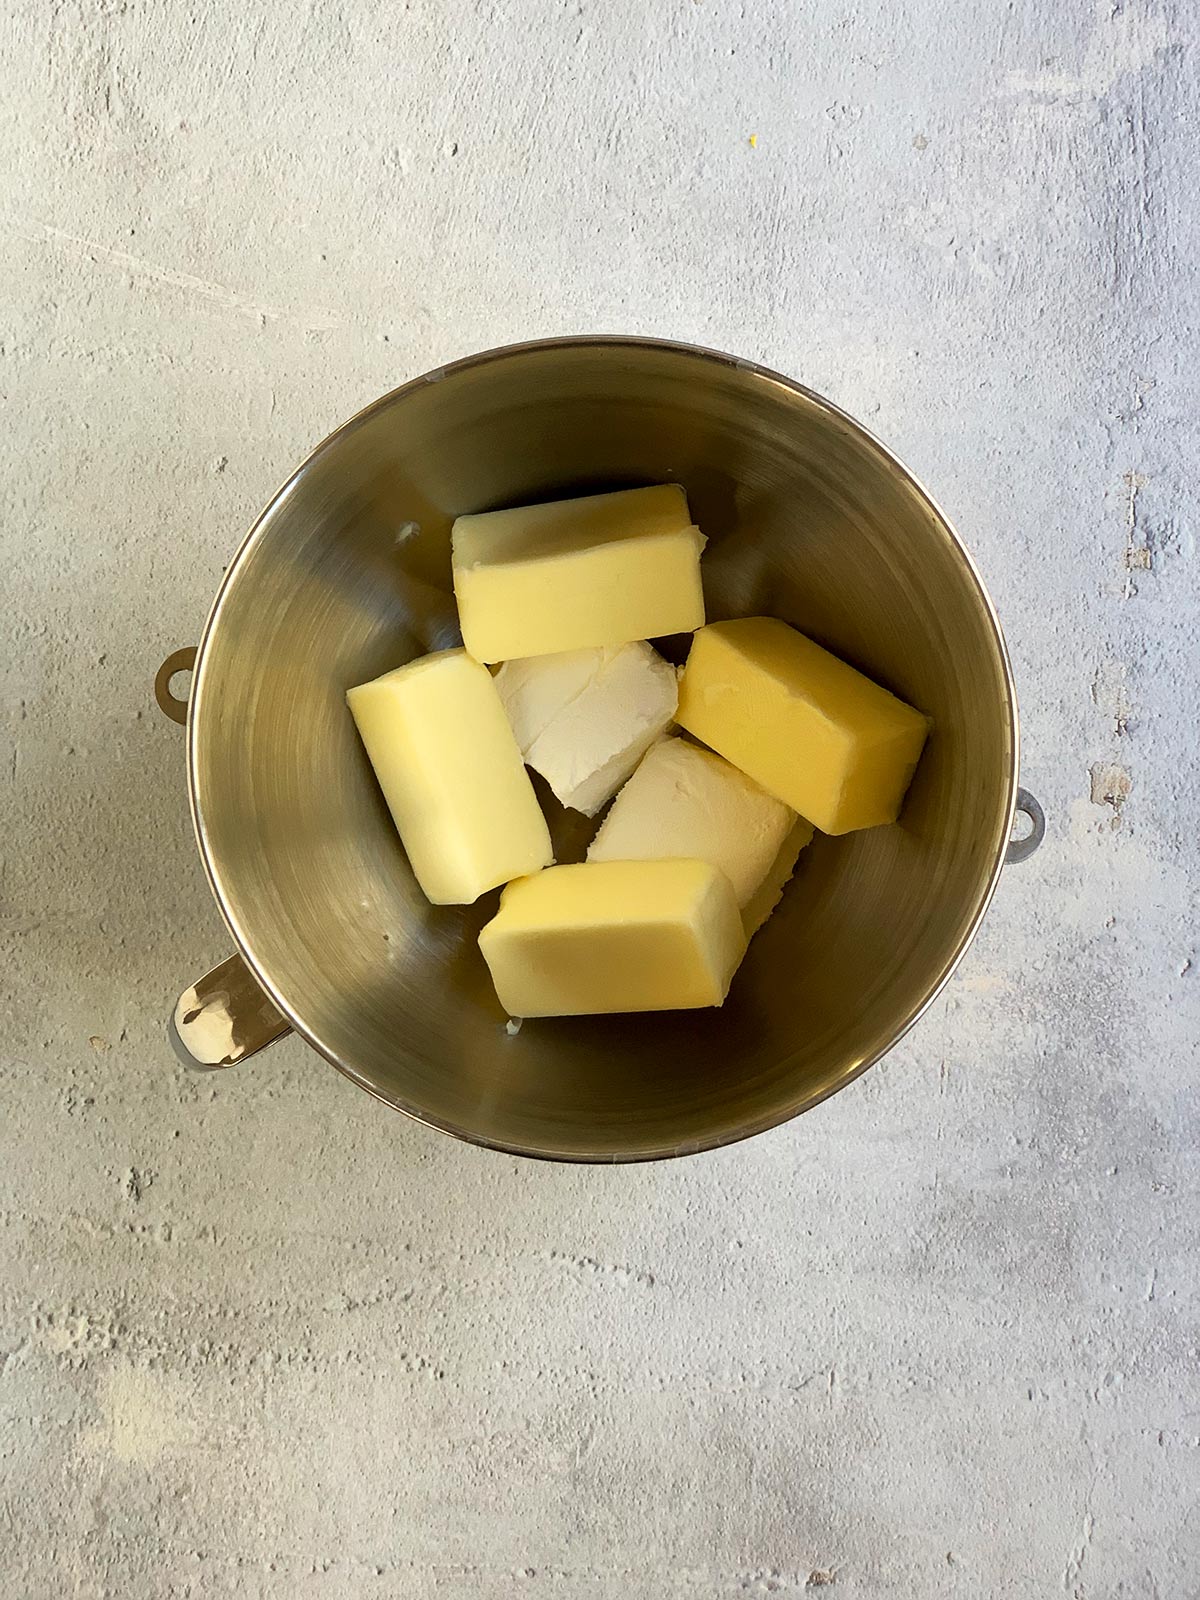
[{"x": 809, "y": 522}]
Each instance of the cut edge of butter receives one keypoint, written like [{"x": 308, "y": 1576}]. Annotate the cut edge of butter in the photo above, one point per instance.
[{"x": 560, "y": 527}]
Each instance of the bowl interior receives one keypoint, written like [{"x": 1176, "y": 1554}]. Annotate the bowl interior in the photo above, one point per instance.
[{"x": 347, "y": 574}]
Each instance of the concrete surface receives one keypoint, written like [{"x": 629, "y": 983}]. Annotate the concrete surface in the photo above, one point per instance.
[{"x": 939, "y": 1338}]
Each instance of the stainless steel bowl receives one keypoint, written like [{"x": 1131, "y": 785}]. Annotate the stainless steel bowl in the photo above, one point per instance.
[{"x": 347, "y": 573}]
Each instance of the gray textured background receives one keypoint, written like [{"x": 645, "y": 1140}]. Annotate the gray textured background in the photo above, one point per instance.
[{"x": 939, "y": 1338}]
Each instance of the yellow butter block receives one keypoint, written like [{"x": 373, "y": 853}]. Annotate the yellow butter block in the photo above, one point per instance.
[
  {"x": 811, "y": 730},
  {"x": 452, "y": 776},
  {"x": 602, "y": 570},
  {"x": 615, "y": 936}
]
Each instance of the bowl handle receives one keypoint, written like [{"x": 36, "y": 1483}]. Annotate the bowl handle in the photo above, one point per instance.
[
  {"x": 169, "y": 703},
  {"x": 1022, "y": 849},
  {"x": 223, "y": 1018}
]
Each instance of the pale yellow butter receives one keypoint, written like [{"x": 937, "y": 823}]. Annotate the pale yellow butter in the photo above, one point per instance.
[
  {"x": 615, "y": 936},
  {"x": 687, "y": 802},
  {"x": 602, "y": 570},
  {"x": 452, "y": 776},
  {"x": 811, "y": 730}
]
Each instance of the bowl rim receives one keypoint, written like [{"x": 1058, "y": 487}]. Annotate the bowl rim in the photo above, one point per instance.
[{"x": 802, "y": 1103}]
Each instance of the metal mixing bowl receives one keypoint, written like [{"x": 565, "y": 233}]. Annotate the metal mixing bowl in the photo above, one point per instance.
[{"x": 347, "y": 574}]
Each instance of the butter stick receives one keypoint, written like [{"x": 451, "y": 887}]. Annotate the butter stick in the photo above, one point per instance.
[
  {"x": 615, "y": 936},
  {"x": 811, "y": 730},
  {"x": 601, "y": 570},
  {"x": 452, "y": 776}
]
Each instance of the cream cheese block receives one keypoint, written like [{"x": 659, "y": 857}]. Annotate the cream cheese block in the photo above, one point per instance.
[
  {"x": 585, "y": 718},
  {"x": 684, "y": 801}
]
